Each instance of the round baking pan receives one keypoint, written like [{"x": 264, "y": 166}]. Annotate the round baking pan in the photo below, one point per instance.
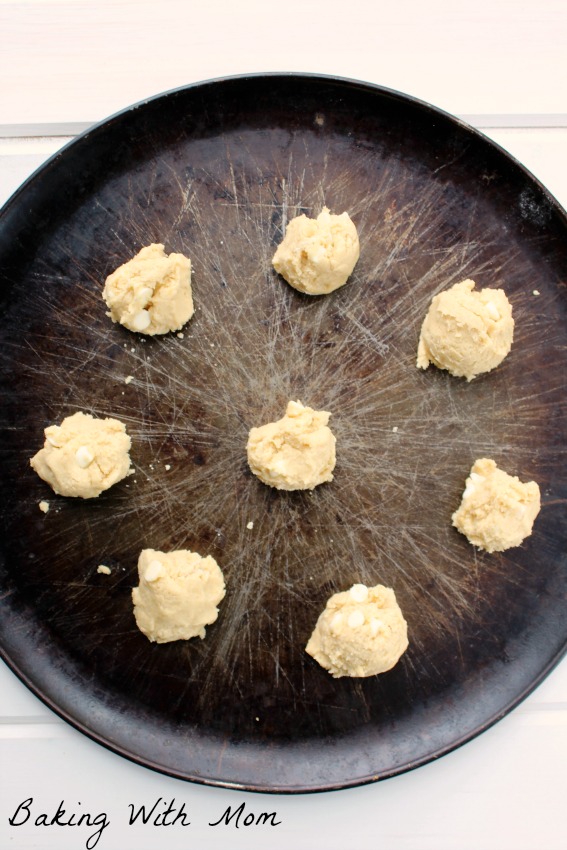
[{"x": 216, "y": 170}]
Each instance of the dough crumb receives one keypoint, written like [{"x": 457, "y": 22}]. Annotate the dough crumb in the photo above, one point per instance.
[
  {"x": 466, "y": 332},
  {"x": 535, "y": 292},
  {"x": 497, "y": 510},
  {"x": 317, "y": 256},
  {"x": 151, "y": 293},
  {"x": 177, "y": 595},
  {"x": 250, "y": 526},
  {"x": 361, "y": 632},
  {"x": 103, "y": 569},
  {"x": 44, "y": 506},
  {"x": 128, "y": 379},
  {"x": 83, "y": 456},
  {"x": 295, "y": 453}
]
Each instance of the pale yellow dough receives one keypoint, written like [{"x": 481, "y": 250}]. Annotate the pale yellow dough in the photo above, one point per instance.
[
  {"x": 295, "y": 453},
  {"x": 178, "y": 594},
  {"x": 83, "y": 456},
  {"x": 361, "y": 632},
  {"x": 466, "y": 332},
  {"x": 318, "y": 255},
  {"x": 497, "y": 510},
  {"x": 151, "y": 294}
]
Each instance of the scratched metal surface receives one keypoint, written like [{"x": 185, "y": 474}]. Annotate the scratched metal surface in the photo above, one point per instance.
[{"x": 215, "y": 171}]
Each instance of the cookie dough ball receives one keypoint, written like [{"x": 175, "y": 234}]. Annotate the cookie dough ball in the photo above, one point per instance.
[
  {"x": 318, "y": 255},
  {"x": 83, "y": 456},
  {"x": 497, "y": 510},
  {"x": 361, "y": 632},
  {"x": 178, "y": 594},
  {"x": 151, "y": 294},
  {"x": 466, "y": 332},
  {"x": 295, "y": 453}
]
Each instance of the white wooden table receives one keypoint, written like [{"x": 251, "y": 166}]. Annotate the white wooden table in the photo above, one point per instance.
[{"x": 503, "y": 67}]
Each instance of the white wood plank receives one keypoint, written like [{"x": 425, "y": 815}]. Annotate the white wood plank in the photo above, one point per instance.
[
  {"x": 81, "y": 61},
  {"x": 502, "y": 791}
]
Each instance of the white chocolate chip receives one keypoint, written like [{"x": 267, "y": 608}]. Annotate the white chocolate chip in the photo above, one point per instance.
[
  {"x": 155, "y": 570},
  {"x": 492, "y": 311},
  {"x": 336, "y": 622},
  {"x": 250, "y": 525},
  {"x": 128, "y": 379},
  {"x": 376, "y": 626},
  {"x": 359, "y": 592},
  {"x": 470, "y": 484},
  {"x": 141, "y": 320},
  {"x": 84, "y": 457},
  {"x": 145, "y": 294},
  {"x": 52, "y": 440},
  {"x": 103, "y": 569},
  {"x": 355, "y": 619}
]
